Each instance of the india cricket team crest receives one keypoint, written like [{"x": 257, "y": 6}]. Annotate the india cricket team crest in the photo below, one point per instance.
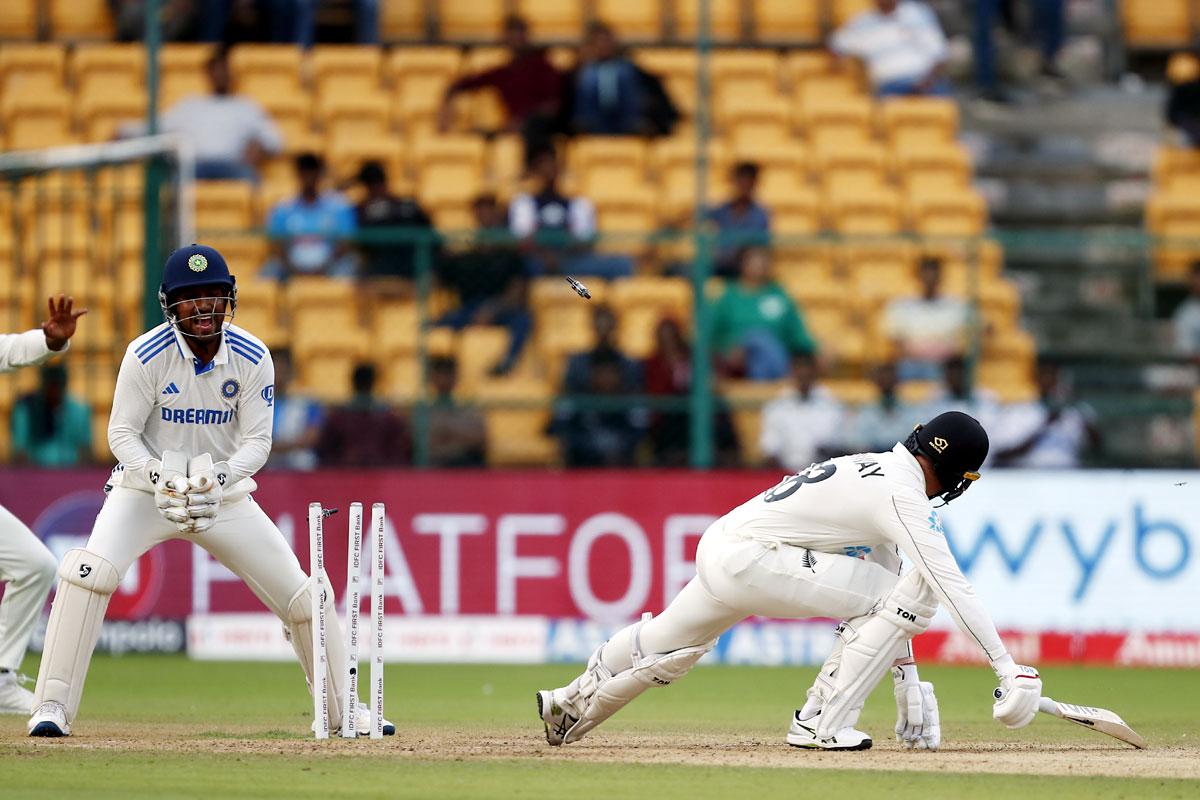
[
  {"x": 198, "y": 263},
  {"x": 230, "y": 389}
]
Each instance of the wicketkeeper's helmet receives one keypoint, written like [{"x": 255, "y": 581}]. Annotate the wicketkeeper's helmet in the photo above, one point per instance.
[
  {"x": 956, "y": 444},
  {"x": 195, "y": 265}
]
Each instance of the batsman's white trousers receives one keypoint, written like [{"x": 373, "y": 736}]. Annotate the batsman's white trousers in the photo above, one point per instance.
[
  {"x": 244, "y": 539},
  {"x": 738, "y": 577},
  {"x": 27, "y": 570}
]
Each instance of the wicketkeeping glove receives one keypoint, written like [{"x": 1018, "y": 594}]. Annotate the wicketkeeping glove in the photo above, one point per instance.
[
  {"x": 918, "y": 723},
  {"x": 168, "y": 477},
  {"x": 204, "y": 491},
  {"x": 1018, "y": 694}
]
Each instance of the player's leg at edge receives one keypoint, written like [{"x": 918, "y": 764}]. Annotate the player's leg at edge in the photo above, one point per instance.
[
  {"x": 802, "y": 732},
  {"x": 600, "y": 692},
  {"x": 86, "y": 583}
]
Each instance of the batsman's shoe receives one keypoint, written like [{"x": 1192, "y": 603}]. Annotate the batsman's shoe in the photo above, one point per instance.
[
  {"x": 363, "y": 722},
  {"x": 14, "y": 698},
  {"x": 803, "y": 733},
  {"x": 555, "y": 718},
  {"x": 49, "y": 720}
]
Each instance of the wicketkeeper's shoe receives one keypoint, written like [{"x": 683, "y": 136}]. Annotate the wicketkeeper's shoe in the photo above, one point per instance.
[
  {"x": 50, "y": 720},
  {"x": 14, "y": 698},
  {"x": 803, "y": 733},
  {"x": 555, "y": 717}
]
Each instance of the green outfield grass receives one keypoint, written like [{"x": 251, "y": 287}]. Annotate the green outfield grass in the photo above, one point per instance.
[{"x": 166, "y": 727}]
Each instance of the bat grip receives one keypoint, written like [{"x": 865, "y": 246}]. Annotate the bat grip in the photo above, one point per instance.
[{"x": 1048, "y": 706}]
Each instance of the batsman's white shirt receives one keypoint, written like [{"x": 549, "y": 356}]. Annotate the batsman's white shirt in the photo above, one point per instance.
[
  {"x": 857, "y": 503},
  {"x": 166, "y": 400}
]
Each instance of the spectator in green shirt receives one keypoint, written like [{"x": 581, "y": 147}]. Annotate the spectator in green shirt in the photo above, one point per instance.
[
  {"x": 756, "y": 327},
  {"x": 49, "y": 427}
]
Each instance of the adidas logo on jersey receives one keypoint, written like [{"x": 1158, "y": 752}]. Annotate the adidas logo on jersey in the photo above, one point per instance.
[{"x": 171, "y": 388}]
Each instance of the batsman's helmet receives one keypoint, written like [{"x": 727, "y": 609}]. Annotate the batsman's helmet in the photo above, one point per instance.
[
  {"x": 956, "y": 444},
  {"x": 195, "y": 265}
]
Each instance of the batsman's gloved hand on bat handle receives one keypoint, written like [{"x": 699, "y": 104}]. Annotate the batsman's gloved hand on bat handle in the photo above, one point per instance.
[
  {"x": 918, "y": 723},
  {"x": 1018, "y": 694}
]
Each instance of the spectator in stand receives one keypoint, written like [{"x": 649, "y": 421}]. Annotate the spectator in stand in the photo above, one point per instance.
[
  {"x": 802, "y": 425},
  {"x": 1183, "y": 101},
  {"x": 298, "y": 420},
  {"x": 364, "y": 432},
  {"x": 1048, "y": 433},
  {"x": 176, "y": 19},
  {"x": 388, "y": 261},
  {"x": 311, "y": 234},
  {"x": 558, "y": 232},
  {"x": 957, "y": 394},
  {"x": 231, "y": 135},
  {"x": 756, "y": 327},
  {"x": 280, "y": 21},
  {"x": 457, "y": 434},
  {"x": 50, "y": 428},
  {"x": 608, "y": 91},
  {"x": 1049, "y": 29},
  {"x": 878, "y": 425},
  {"x": 668, "y": 372},
  {"x": 741, "y": 220},
  {"x": 593, "y": 432},
  {"x": 1187, "y": 319},
  {"x": 529, "y": 86},
  {"x": 902, "y": 45},
  {"x": 928, "y": 329},
  {"x": 490, "y": 281},
  {"x": 579, "y": 365}
]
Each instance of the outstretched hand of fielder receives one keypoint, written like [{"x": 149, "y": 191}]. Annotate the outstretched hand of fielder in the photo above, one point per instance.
[{"x": 62, "y": 321}]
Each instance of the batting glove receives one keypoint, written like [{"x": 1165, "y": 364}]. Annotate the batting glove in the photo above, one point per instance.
[{"x": 1018, "y": 694}]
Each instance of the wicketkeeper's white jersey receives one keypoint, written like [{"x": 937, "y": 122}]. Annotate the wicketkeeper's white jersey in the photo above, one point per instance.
[
  {"x": 870, "y": 500},
  {"x": 165, "y": 400}
]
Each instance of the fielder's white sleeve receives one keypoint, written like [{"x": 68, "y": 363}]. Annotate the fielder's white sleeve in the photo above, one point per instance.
[
  {"x": 909, "y": 520},
  {"x": 255, "y": 415},
  {"x": 25, "y": 349},
  {"x": 133, "y": 401}
]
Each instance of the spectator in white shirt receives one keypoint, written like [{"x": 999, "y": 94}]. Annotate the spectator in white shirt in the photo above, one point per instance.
[
  {"x": 878, "y": 425},
  {"x": 1050, "y": 432},
  {"x": 231, "y": 134},
  {"x": 902, "y": 45},
  {"x": 928, "y": 329},
  {"x": 558, "y": 231},
  {"x": 804, "y": 424},
  {"x": 957, "y": 394},
  {"x": 1187, "y": 320}
]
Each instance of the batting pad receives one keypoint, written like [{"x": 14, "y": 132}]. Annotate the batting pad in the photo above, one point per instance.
[
  {"x": 298, "y": 629},
  {"x": 86, "y": 582},
  {"x": 871, "y": 644}
]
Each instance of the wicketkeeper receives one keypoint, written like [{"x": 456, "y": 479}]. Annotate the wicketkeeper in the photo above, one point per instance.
[
  {"x": 190, "y": 425},
  {"x": 826, "y": 542}
]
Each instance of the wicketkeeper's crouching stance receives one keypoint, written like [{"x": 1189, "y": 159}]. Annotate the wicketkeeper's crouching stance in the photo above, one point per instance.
[
  {"x": 191, "y": 423},
  {"x": 791, "y": 552}
]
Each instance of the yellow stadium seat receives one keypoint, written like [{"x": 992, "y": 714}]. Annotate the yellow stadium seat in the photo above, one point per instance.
[
  {"x": 677, "y": 67},
  {"x": 765, "y": 116},
  {"x": 831, "y": 112},
  {"x": 401, "y": 20},
  {"x": 395, "y": 328},
  {"x": 818, "y": 87},
  {"x": 941, "y": 166},
  {"x": 418, "y": 100},
  {"x": 626, "y": 209},
  {"x": 182, "y": 72},
  {"x": 31, "y": 67},
  {"x": 850, "y": 163},
  {"x": 337, "y": 69},
  {"x": 345, "y": 156},
  {"x": 610, "y": 159},
  {"x": 506, "y": 163},
  {"x": 175, "y": 86},
  {"x": 770, "y": 149},
  {"x": 405, "y": 62},
  {"x": 631, "y": 21},
  {"x": 842, "y": 11},
  {"x": 480, "y": 347},
  {"x": 1174, "y": 165},
  {"x": 124, "y": 63},
  {"x": 100, "y": 116},
  {"x": 1157, "y": 23},
  {"x": 803, "y": 65},
  {"x": 34, "y": 121},
  {"x": 292, "y": 114},
  {"x": 19, "y": 19},
  {"x": 746, "y": 399},
  {"x": 786, "y": 21},
  {"x": 224, "y": 206},
  {"x": 668, "y": 296},
  {"x": 449, "y": 168},
  {"x": 81, "y": 19},
  {"x": 355, "y": 116},
  {"x": 724, "y": 20},
  {"x": 264, "y": 71},
  {"x": 954, "y": 212},
  {"x": 556, "y": 20},
  {"x": 879, "y": 271},
  {"x": 745, "y": 71},
  {"x": 473, "y": 20},
  {"x": 796, "y": 211},
  {"x": 244, "y": 253},
  {"x": 869, "y": 213},
  {"x": 184, "y": 57},
  {"x": 937, "y": 116},
  {"x": 517, "y": 438}
]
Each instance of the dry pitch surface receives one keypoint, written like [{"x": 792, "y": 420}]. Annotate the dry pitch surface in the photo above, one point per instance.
[{"x": 470, "y": 731}]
